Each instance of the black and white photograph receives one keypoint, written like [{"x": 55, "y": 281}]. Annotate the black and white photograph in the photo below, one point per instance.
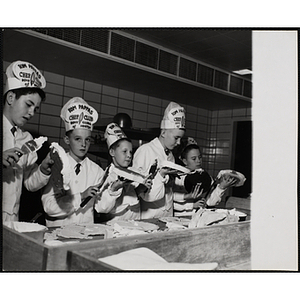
[{"x": 149, "y": 150}]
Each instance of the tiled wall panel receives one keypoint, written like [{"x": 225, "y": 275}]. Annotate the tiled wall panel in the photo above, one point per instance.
[
  {"x": 142, "y": 107},
  {"x": 239, "y": 112},
  {"x": 140, "y": 123},
  {"x": 223, "y": 128},
  {"x": 53, "y": 88},
  {"x": 53, "y": 99},
  {"x": 50, "y": 131},
  {"x": 126, "y": 94},
  {"x": 92, "y": 87},
  {"x": 154, "y": 110},
  {"x": 192, "y": 117},
  {"x": 127, "y": 111},
  {"x": 54, "y": 78},
  {"x": 74, "y": 82},
  {"x": 50, "y": 120},
  {"x": 91, "y": 96},
  {"x": 110, "y": 91},
  {"x": 109, "y": 110},
  {"x": 49, "y": 109},
  {"x": 140, "y": 98},
  {"x": 110, "y": 100},
  {"x": 71, "y": 92},
  {"x": 154, "y": 101},
  {"x": 35, "y": 119},
  {"x": 32, "y": 128},
  {"x": 213, "y": 130},
  {"x": 153, "y": 119},
  {"x": 124, "y": 103},
  {"x": 138, "y": 115}
]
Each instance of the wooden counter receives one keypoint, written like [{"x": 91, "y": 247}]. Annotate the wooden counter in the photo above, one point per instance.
[
  {"x": 24, "y": 253},
  {"x": 229, "y": 245}
]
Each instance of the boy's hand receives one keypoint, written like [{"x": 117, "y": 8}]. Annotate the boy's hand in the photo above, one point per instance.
[
  {"x": 166, "y": 170},
  {"x": 10, "y": 157},
  {"x": 89, "y": 192},
  {"x": 145, "y": 186},
  {"x": 199, "y": 203},
  {"x": 119, "y": 183},
  {"x": 46, "y": 165},
  {"x": 227, "y": 181},
  {"x": 195, "y": 194},
  {"x": 148, "y": 182}
]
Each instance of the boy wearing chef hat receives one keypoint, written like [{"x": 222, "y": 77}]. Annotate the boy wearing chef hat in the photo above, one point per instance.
[
  {"x": 23, "y": 94},
  {"x": 126, "y": 205},
  {"x": 186, "y": 202},
  {"x": 64, "y": 208},
  {"x": 172, "y": 130}
]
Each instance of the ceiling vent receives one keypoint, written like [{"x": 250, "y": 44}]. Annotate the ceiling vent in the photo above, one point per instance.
[
  {"x": 56, "y": 33},
  {"x": 122, "y": 47},
  {"x": 168, "y": 62},
  {"x": 247, "y": 89},
  {"x": 187, "y": 69},
  {"x": 236, "y": 85},
  {"x": 146, "y": 55},
  {"x": 96, "y": 39},
  {"x": 130, "y": 48},
  {"x": 205, "y": 75},
  {"x": 221, "y": 80},
  {"x": 72, "y": 36}
]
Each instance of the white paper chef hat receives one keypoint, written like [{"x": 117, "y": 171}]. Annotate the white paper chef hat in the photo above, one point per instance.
[
  {"x": 76, "y": 113},
  {"x": 174, "y": 117},
  {"x": 22, "y": 74},
  {"x": 113, "y": 133}
]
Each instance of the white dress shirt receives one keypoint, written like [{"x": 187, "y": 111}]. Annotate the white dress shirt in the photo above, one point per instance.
[
  {"x": 158, "y": 202},
  {"x": 64, "y": 210},
  {"x": 122, "y": 204},
  {"x": 26, "y": 170}
]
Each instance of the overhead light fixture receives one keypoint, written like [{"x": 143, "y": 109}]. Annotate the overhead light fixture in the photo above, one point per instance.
[{"x": 243, "y": 72}]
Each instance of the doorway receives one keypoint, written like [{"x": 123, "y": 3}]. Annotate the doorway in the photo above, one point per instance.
[{"x": 242, "y": 156}]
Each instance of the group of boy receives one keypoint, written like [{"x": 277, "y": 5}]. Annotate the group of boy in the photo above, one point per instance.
[{"x": 23, "y": 96}]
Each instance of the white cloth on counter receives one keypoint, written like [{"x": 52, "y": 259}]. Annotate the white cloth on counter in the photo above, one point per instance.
[
  {"x": 158, "y": 202},
  {"x": 206, "y": 217},
  {"x": 146, "y": 259},
  {"x": 63, "y": 207},
  {"x": 79, "y": 231},
  {"x": 25, "y": 171},
  {"x": 25, "y": 226},
  {"x": 131, "y": 227}
]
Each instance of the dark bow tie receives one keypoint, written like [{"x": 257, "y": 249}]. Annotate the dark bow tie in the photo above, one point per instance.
[{"x": 167, "y": 151}]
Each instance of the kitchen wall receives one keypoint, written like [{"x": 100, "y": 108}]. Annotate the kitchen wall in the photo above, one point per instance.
[{"x": 213, "y": 130}]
